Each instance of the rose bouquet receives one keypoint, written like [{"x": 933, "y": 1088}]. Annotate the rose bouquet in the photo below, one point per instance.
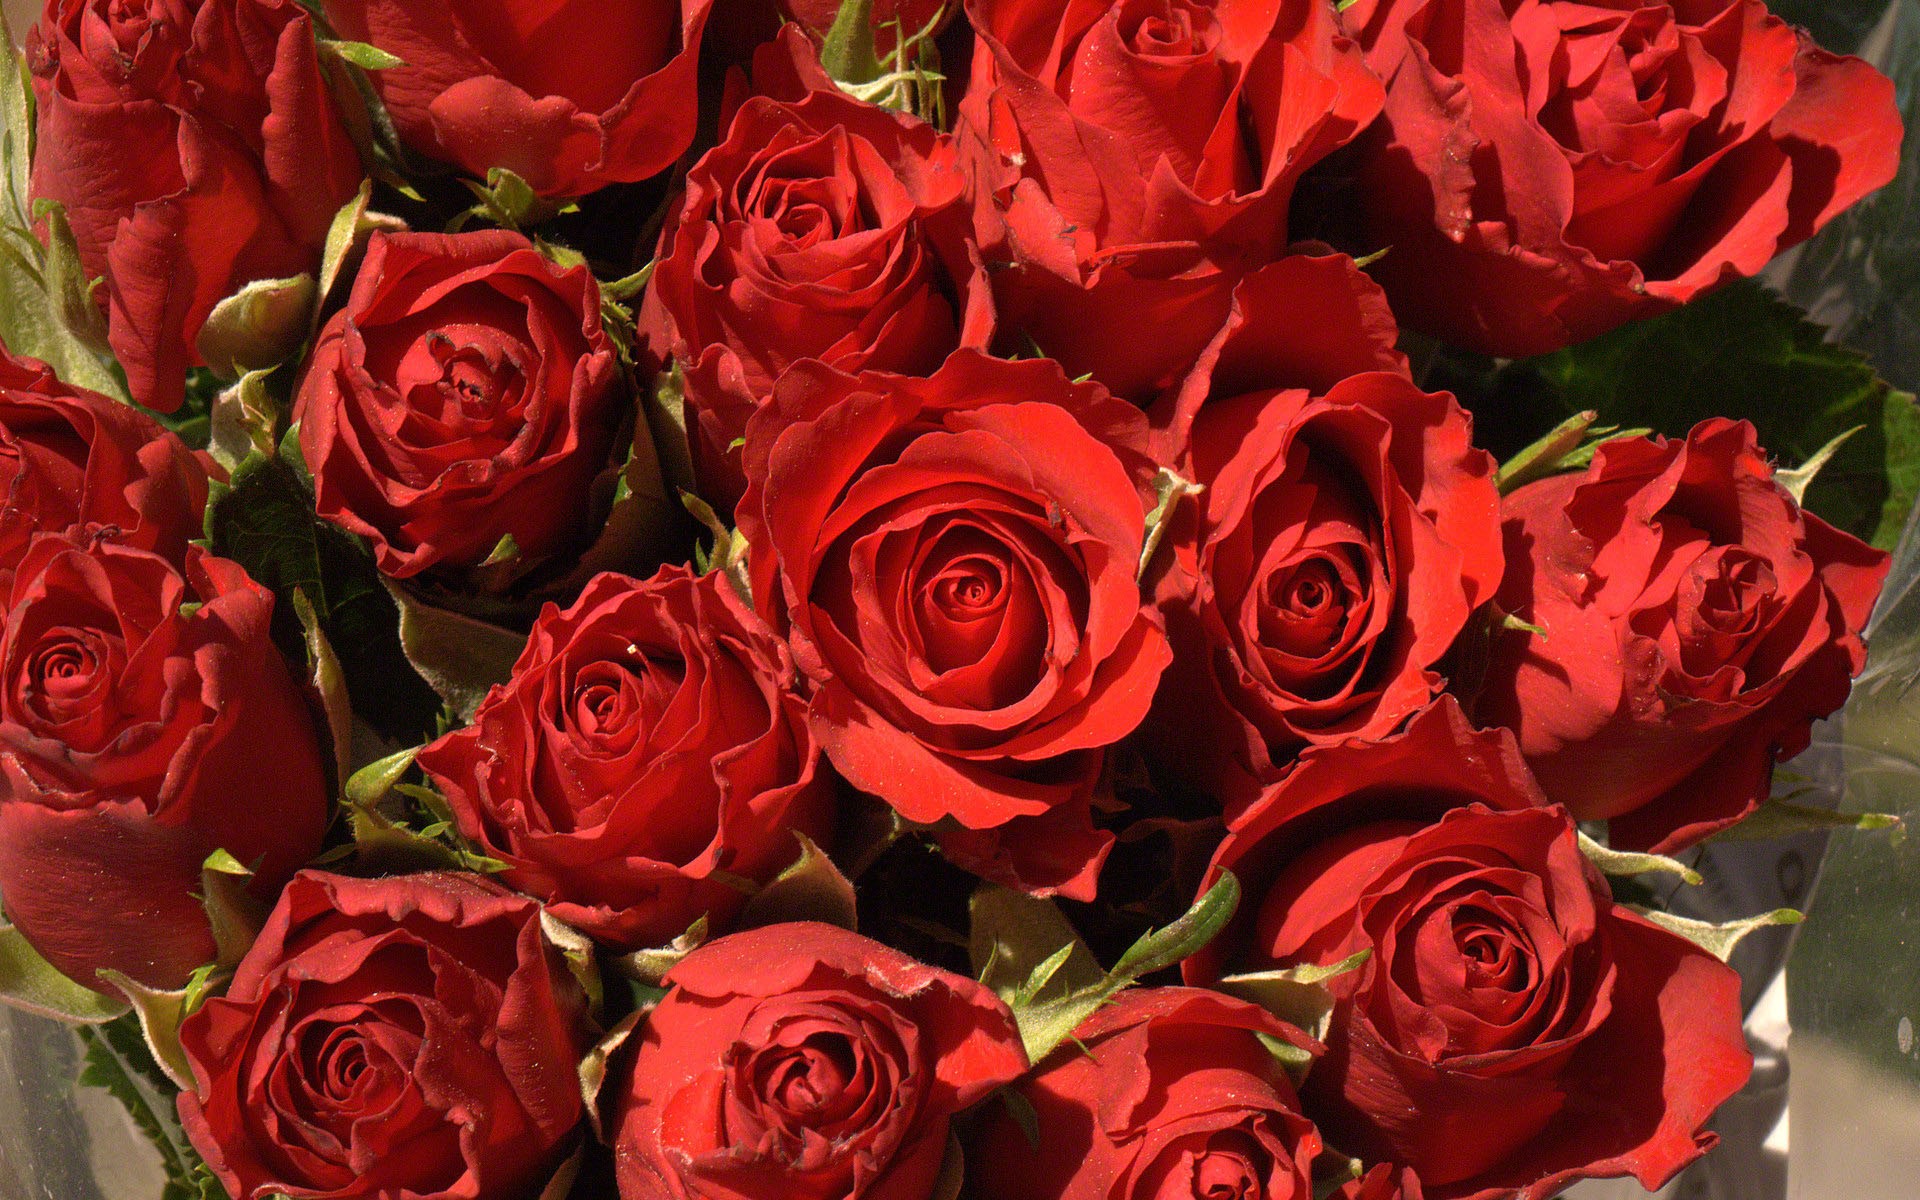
[{"x": 1044, "y": 601}]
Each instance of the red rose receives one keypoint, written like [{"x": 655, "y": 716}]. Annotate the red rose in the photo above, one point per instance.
[
  {"x": 1347, "y": 532},
  {"x": 803, "y": 1062},
  {"x": 1695, "y": 623},
  {"x": 70, "y": 457},
  {"x": 954, "y": 560},
  {"x": 1140, "y": 157},
  {"x": 822, "y": 229},
  {"x": 1548, "y": 169},
  {"x": 1165, "y": 1094},
  {"x": 1511, "y": 1030},
  {"x": 413, "y": 1036},
  {"x": 571, "y": 95},
  {"x": 467, "y": 392},
  {"x": 649, "y": 744},
  {"x": 136, "y": 701},
  {"x": 195, "y": 149}
]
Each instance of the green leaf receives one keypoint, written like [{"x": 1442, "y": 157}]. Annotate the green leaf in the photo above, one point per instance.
[
  {"x": 1628, "y": 863},
  {"x": 629, "y": 287},
  {"x": 812, "y": 889},
  {"x": 370, "y": 784},
  {"x": 1297, "y": 1060},
  {"x": 848, "y": 52},
  {"x": 1013, "y": 937},
  {"x": 222, "y": 862},
  {"x": 1743, "y": 352},
  {"x": 118, "y": 1061},
  {"x": 244, "y": 421},
  {"x": 1041, "y": 977},
  {"x": 30, "y": 983},
  {"x": 264, "y": 520},
  {"x": 510, "y": 202},
  {"x": 1046, "y": 1024},
  {"x": 262, "y": 325},
  {"x": 1514, "y": 624},
  {"x": 364, "y": 56},
  {"x": 1169, "y": 489},
  {"x": 650, "y": 966},
  {"x": 233, "y": 913},
  {"x": 729, "y": 553},
  {"x": 352, "y": 226},
  {"x": 1798, "y": 478},
  {"x": 1781, "y": 818},
  {"x": 38, "y": 282},
  {"x": 1546, "y": 456},
  {"x": 593, "y": 1067},
  {"x": 460, "y": 657},
  {"x": 387, "y": 846},
  {"x": 47, "y": 305},
  {"x": 504, "y": 552},
  {"x": 1720, "y": 940},
  {"x": 1024, "y": 1115},
  {"x": 327, "y": 683},
  {"x": 159, "y": 1014},
  {"x": 665, "y": 408},
  {"x": 577, "y": 949},
  {"x": 1297, "y": 995},
  {"x": 1160, "y": 949},
  {"x": 16, "y": 126}
]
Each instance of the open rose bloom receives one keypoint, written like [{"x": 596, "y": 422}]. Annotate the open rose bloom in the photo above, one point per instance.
[{"x": 987, "y": 600}]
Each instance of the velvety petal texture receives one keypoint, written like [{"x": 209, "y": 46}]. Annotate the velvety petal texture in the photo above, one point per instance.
[
  {"x": 1694, "y": 623},
  {"x": 571, "y": 95},
  {"x": 70, "y": 457},
  {"x": 1546, "y": 170},
  {"x": 466, "y": 393},
  {"x": 1136, "y": 159},
  {"x": 410, "y": 1036},
  {"x": 1511, "y": 1029},
  {"x": 195, "y": 148},
  {"x": 804, "y": 1062},
  {"x": 136, "y": 697},
  {"x": 954, "y": 561},
  {"x": 649, "y": 753},
  {"x": 1347, "y": 532},
  {"x": 820, "y": 228},
  {"x": 1164, "y": 1094}
]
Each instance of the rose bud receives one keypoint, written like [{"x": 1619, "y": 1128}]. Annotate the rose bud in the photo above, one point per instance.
[
  {"x": 70, "y": 457},
  {"x": 1695, "y": 622},
  {"x": 648, "y": 753},
  {"x": 1510, "y": 1030},
  {"x": 803, "y": 1062},
  {"x": 195, "y": 148},
  {"x": 954, "y": 561},
  {"x": 412, "y": 1036},
  {"x": 1165, "y": 1093},
  {"x": 1549, "y": 170},
  {"x": 466, "y": 393},
  {"x": 1347, "y": 531},
  {"x": 136, "y": 701},
  {"x": 1140, "y": 157},
  {"x": 571, "y": 95},
  {"x": 822, "y": 229}
]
